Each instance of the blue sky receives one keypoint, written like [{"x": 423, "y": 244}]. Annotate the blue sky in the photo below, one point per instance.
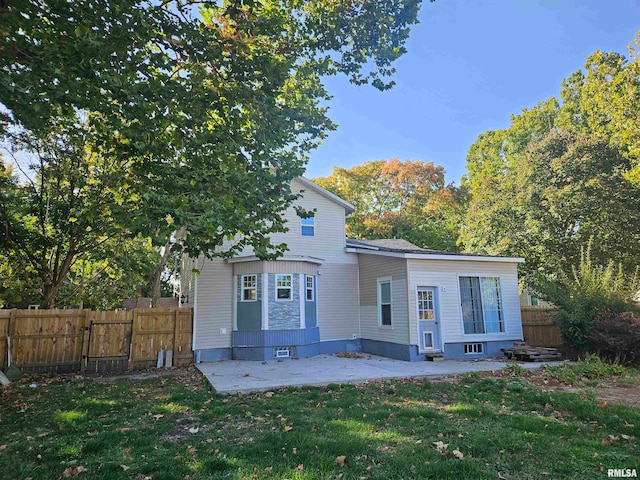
[{"x": 470, "y": 65}]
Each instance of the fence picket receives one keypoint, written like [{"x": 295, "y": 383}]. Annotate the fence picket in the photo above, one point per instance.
[{"x": 92, "y": 342}]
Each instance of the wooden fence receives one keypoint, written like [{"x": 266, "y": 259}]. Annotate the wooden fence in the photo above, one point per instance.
[
  {"x": 538, "y": 327},
  {"x": 95, "y": 342}
]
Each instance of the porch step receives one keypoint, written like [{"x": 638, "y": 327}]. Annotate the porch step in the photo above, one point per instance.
[{"x": 434, "y": 356}]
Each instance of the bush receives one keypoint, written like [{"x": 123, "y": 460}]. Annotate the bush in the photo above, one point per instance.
[
  {"x": 588, "y": 294},
  {"x": 616, "y": 338}
]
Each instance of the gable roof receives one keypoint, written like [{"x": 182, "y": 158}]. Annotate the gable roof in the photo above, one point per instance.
[
  {"x": 398, "y": 247},
  {"x": 349, "y": 209}
]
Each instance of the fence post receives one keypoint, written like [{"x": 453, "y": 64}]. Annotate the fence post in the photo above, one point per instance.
[
  {"x": 133, "y": 336},
  {"x": 12, "y": 322},
  {"x": 86, "y": 328},
  {"x": 175, "y": 337}
]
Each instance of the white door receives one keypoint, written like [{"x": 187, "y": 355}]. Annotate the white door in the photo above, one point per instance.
[{"x": 428, "y": 325}]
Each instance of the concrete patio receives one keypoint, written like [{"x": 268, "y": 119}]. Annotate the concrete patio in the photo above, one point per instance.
[{"x": 241, "y": 376}]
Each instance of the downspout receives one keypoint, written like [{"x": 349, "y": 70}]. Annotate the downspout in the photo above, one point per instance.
[{"x": 195, "y": 318}]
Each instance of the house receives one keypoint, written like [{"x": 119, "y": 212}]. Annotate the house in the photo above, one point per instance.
[{"x": 331, "y": 294}]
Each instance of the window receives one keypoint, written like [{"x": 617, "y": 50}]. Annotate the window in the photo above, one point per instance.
[
  {"x": 307, "y": 226},
  {"x": 384, "y": 302},
  {"x": 283, "y": 287},
  {"x": 481, "y": 305},
  {"x": 309, "y": 284},
  {"x": 473, "y": 348},
  {"x": 534, "y": 301},
  {"x": 249, "y": 288},
  {"x": 425, "y": 305}
]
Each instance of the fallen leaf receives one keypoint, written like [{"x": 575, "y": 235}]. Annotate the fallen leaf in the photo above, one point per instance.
[
  {"x": 295, "y": 450},
  {"x": 2, "y": 447},
  {"x": 194, "y": 430},
  {"x": 441, "y": 446},
  {"x": 300, "y": 468},
  {"x": 458, "y": 454},
  {"x": 626, "y": 437},
  {"x": 603, "y": 405},
  {"x": 596, "y": 455},
  {"x": 460, "y": 435},
  {"x": 441, "y": 435},
  {"x": 607, "y": 441},
  {"x": 287, "y": 428},
  {"x": 125, "y": 429},
  {"x": 157, "y": 416},
  {"x": 268, "y": 394},
  {"x": 124, "y": 468},
  {"x": 73, "y": 471},
  {"x": 340, "y": 460}
]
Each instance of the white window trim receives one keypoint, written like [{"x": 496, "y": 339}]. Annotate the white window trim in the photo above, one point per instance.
[
  {"x": 474, "y": 346},
  {"x": 306, "y": 288},
  {"x": 312, "y": 226},
  {"x": 379, "y": 282},
  {"x": 243, "y": 288},
  {"x": 479, "y": 336},
  {"x": 290, "y": 287},
  {"x": 433, "y": 300}
]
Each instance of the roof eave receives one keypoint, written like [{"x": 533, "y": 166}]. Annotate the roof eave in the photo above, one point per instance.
[{"x": 436, "y": 256}]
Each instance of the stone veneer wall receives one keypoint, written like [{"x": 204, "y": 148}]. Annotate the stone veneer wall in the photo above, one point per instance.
[{"x": 284, "y": 315}]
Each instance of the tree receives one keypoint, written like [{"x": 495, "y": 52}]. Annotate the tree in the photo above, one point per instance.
[
  {"x": 201, "y": 112},
  {"x": 590, "y": 293},
  {"x": 559, "y": 177},
  {"x": 396, "y": 199}
]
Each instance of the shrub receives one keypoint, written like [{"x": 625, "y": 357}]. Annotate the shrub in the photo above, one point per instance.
[
  {"x": 589, "y": 293},
  {"x": 616, "y": 338}
]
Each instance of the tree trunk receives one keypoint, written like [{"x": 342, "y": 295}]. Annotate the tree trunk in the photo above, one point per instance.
[{"x": 155, "y": 280}]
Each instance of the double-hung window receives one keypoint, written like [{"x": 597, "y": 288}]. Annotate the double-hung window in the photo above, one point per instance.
[
  {"x": 249, "y": 288},
  {"x": 283, "y": 287},
  {"x": 307, "y": 227},
  {"x": 384, "y": 302},
  {"x": 309, "y": 288},
  {"x": 481, "y": 304}
]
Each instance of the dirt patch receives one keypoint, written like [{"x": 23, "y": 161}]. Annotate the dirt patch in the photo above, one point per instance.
[
  {"x": 348, "y": 355},
  {"x": 145, "y": 374},
  {"x": 628, "y": 396}
]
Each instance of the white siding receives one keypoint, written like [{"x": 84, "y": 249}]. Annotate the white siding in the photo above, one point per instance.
[
  {"x": 214, "y": 309},
  {"x": 373, "y": 267},
  {"x": 338, "y": 299},
  {"x": 329, "y": 240},
  {"x": 443, "y": 275},
  {"x": 280, "y": 266},
  {"x": 338, "y": 316}
]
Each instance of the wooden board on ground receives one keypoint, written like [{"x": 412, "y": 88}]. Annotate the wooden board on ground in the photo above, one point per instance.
[{"x": 527, "y": 353}]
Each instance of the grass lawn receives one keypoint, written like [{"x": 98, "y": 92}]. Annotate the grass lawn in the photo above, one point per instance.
[{"x": 478, "y": 426}]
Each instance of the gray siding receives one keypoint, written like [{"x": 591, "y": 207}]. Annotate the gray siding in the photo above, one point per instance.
[{"x": 373, "y": 267}]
